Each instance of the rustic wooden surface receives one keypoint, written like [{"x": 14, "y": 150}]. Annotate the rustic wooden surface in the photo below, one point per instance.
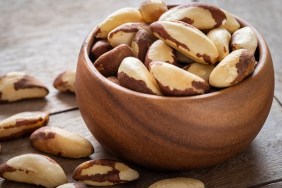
[{"x": 43, "y": 38}]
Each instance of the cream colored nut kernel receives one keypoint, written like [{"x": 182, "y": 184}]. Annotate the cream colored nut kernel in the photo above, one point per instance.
[
  {"x": 61, "y": 142},
  {"x": 180, "y": 182},
  {"x": 141, "y": 43},
  {"x": 244, "y": 38},
  {"x": 186, "y": 39},
  {"x": 22, "y": 124},
  {"x": 200, "y": 15},
  {"x": 117, "y": 18},
  {"x": 233, "y": 69},
  {"x": 133, "y": 74},
  {"x": 200, "y": 70},
  {"x": 221, "y": 39},
  {"x": 174, "y": 81},
  {"x": 182, "y": 58},
  {"x": 99, "y": 48},
  {"x": 104, "y": 172},
  {"x": 151, "y": 10},
  {"x": 72, "y": 185},
  {"x": 108, "y": 63},
  {"x": 33, "y": 169},
  {"x": 15, "y": 86},
  {"x": 124, "y": 33},
  {"x": 65, "y": 81},
  {"x": 160, "y": 51},
  {"x": 231, "y": 23}
]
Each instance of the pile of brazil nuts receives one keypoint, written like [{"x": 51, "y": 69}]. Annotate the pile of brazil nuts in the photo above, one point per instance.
[{"x": 185, "y": 50}]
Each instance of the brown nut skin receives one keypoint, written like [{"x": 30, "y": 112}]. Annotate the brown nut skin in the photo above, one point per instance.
[
  {"x": 133, "y": 74},
  {"x": 117, "y": 18},
  {"x": 99, "y": 48},
  {"x": 200, "y": 15},
  {"x": 160, "y": 51},
  {"x": 186, "y": 40},
  {"x": 108, "y": 63},
  {"x": 22, "y": 124},
  {"x": 104, "y": 172},
  {"x": 65, "y": 81},
  {"x": 151, "y": 10},
  {"x": 244, "y": 38},
  {"x": 233, "y": 69},
  {"x": 15, "y": 86},
  {"x": 174, "y": 81},
  {"x": 221, "y": 39},
  {"x": 141, "y": 43},
  {"x": 57, "y": 141}
]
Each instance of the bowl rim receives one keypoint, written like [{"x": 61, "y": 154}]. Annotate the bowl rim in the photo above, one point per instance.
[{"x": 262, "y": 47}]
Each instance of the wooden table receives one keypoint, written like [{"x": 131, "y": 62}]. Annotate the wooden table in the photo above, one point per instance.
[{"x": 43, "y": 38}]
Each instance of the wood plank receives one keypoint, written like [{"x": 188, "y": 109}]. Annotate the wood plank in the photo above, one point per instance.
[
  {"x": 261, "y": 162},
  {"x": 265, "y": 16}
]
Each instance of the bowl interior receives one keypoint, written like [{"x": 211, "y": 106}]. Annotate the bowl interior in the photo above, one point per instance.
[
  {"x": 260, "y": 56},
  {"x": 209, "y": 128}
]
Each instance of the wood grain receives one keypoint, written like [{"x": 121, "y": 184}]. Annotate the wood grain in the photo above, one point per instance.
[
  {"x": 265, "y": 16},
  {"x": 261, "y": 162},
  {"x": 43, "y": 38}
]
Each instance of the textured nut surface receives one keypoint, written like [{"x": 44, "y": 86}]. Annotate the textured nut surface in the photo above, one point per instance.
[
  {"x": 72, "y": 185},
  {"x": 200, "y": 70},
  {"x": 186, "y": 39},
  {"x": 124, "y": 33},
  {"x": 233, "y": 69},
  {"x": 16, "y": 86},
  {"x": 117, "y": 18},
  {"x": 133, "y": 74},
  {"x": 61, "y": 142},
  {"x": 221, "y": 39},
  {"x": 108, "y": 63},
  {"x": 231, "y": 23},
  {"x": 174, "y": 81},
  {"x": 151, "y": 10},
  {"x": 22, "y": 124},
  {"x": 178, "y": 183},
  {"x": 200, "y": 15},
  {"x": 65, "y": 81},
  {"x": 160, "y": 51},
  {"x": 141, "y": 43},
  {"x": 244, "y": 38},
  {"x": 33, "y": 169},
  {"x": 104, "y": 172},
  {"x": 99, "y": 48}
]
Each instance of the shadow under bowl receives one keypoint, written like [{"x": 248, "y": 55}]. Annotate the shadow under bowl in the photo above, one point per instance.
[{"x": 175, "y": 132}]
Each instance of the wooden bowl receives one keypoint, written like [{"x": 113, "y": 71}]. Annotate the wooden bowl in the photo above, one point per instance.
[{"x": 174, "y": 132}]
